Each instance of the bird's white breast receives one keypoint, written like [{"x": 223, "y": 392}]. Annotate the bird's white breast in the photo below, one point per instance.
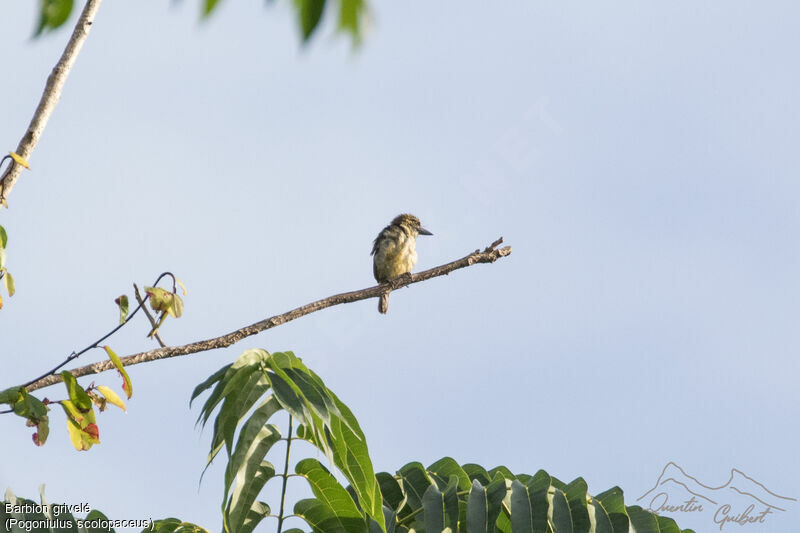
[{"x": 396, "y": 257}]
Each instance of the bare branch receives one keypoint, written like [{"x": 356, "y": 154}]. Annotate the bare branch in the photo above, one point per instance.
[
  {"x": 489, "y": 255},
  {"x": 50, "y": 96}
]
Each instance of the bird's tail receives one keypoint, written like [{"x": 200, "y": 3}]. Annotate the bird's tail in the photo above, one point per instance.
[{"x": 383, "y": 303}]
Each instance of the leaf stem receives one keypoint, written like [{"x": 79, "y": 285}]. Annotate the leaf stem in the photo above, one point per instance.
[{"x": 281, "y": 517}]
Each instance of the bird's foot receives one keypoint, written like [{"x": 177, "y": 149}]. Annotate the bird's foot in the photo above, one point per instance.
[{"x": 400, "y": 281}]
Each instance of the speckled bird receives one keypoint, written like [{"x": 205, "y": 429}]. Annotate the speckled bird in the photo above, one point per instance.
[{"x": 395, "y": 252}]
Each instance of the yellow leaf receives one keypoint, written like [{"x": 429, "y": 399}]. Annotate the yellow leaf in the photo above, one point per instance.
[
  {"x": 9, "y": 283},
  {"x": 183, "y": 287},
  {"x": 19, "y": 160},
  {"x": 160, "y": 299},
  {"x": 82, "y": 427},
  {"x": 176, "y": 307},
  {"x": 111, "y": 397},
  {"x": 75, "y": 436}
]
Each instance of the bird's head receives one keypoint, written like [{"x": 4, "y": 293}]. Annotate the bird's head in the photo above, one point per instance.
[{"x": 412, "y": 223}]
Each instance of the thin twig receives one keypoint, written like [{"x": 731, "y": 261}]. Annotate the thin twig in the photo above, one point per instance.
[
  {"x": 50, "y": 96},
  {"x": 149, "y": 316},
  {"x": 95, "y": 344},
  {"x": 489, "y": 255}
]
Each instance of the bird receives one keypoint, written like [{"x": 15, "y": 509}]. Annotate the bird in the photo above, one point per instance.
[{"x": 395, "y": 252}]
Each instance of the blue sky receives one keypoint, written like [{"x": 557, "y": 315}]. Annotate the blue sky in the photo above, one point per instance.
[{"x": 641, "y": 159}]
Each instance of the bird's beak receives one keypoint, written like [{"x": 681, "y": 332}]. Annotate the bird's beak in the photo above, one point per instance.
[{"x": 423, "y": 231}]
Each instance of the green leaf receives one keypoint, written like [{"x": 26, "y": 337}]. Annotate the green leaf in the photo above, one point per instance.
[
  {"x": 540, "y": 481},
  {"x": 327, "y": 422},
  {"x": 642, "y": 521},
  {"x": 52, "y": 14},
  {"x": 312, "y": 392},
  {"x": 478, "y": 510},
  {"x": 484, "y": 505},
  {"x": 214, "y": 378},
  {"x": 351, "y": 456},
  {"x": 333, "y": 428},
  {"x": 30, "y": 407},
  {"x": 240, "y": 386},
  {"x": 441, "y": 507},
  {"x": 42, "y": 431},
  {"x": 255, "y": 439},
  {"x": 502, "y": 470},
  {"x": 12, "y": 395},
  {"x": 309, "y": 13},
  {"x": 237, "y": 403},
  {"x": 172, "y": 525},
  {"x": 444, "y": 468},
  {"x": 323, "y": 520},
  {"x": 79, "y": 397},
  {"x": 562, "y": 519},
  {"x": 248, "y": 472},
  {"x": 3, "y": 237},
  {"x": 208, "y": 7},
  {"x": 529, "y": 509},
  {"x": 477, "y": 472},
  {"x": 127, "y": 386},
  {"x": 614, "y": 504},
  {"x": 521, "y": 509},
  {"x": 555, "y": 482},
  {"x": 335, "y": 510},
  {"x": 258, "y": 511},
  {"x": 242, "y": 512},
  {"x": 293, "y": 402},
  {"x": 667, "y": 525},
  {"x": 389, "y": 522},
  {"x": 122, "y": 302},
  {"x": 166, "y": 525},
  {"x": 577, "y": 496},
  {"x": 393, "y": 496},
  {"x": 503, "y": 524},
  {"x": 415, "y": 482},
  {"x": 351, "y": 14},
  {"x": 602, "y": 523}
]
